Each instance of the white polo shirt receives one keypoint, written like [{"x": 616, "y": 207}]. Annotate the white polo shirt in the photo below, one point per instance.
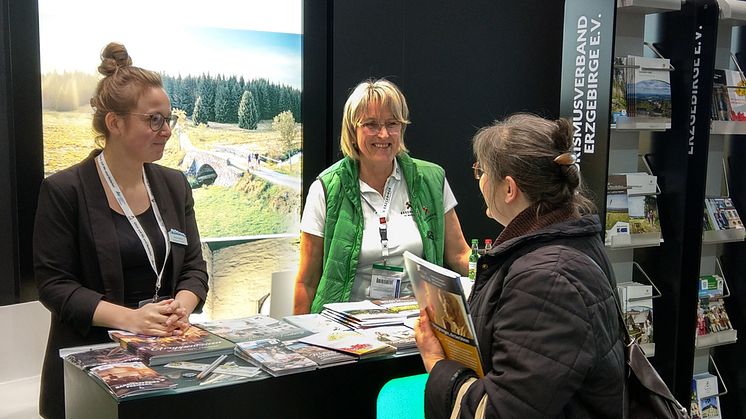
[{"x": 401, "y": 229}]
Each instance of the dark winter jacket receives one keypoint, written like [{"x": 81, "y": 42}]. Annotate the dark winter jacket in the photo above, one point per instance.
[{"x": 547, "y": 328}]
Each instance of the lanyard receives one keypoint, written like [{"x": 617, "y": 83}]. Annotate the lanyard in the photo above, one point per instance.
[
  {"x": 383, "y": 213},
  {"x": 135, "y": 223}
]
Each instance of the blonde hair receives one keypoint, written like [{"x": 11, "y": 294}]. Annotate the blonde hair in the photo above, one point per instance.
[
  {"x": 120, "y": 89},
  {"x": 526, "y": 147},
  {"x": 381, "y": 93}
]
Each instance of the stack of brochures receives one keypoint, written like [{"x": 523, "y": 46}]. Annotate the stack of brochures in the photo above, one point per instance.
[
  {"x": 274, "y": 357},
  {"x": 364, "y": 314},
  {"x": 253, "y": 328},
  {"x": 193, "y": 344}
]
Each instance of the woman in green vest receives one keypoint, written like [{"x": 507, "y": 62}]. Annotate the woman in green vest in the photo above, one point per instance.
[{"x": 365, "y": 210}]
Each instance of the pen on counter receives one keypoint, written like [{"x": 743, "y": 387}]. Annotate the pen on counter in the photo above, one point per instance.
[{"x": 211, "y": 367}]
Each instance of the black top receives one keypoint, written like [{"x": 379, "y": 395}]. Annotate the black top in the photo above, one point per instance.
[{"x": 139, "y": 278}]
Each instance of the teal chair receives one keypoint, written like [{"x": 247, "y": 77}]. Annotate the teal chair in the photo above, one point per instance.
[{"x": 402, "y": 398}]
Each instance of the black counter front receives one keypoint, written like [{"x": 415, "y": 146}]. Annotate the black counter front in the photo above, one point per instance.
[{"x": 345, "y": 391}]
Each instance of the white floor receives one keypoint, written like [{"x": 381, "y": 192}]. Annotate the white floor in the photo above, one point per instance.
[{"x": 19, "y": 399}]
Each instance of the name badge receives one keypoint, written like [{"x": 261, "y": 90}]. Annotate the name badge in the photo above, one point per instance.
[
  {"x": 176, "y": 236},
  {"x": 385, "y": 282}
]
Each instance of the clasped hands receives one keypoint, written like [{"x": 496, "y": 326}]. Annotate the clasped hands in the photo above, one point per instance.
[{"x": 164, "y": 318}]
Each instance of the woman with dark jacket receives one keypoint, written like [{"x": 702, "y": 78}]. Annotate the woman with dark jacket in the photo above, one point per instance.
[
  {"x": 543, "y": 300},
  {"x": 116, "y": 244}
]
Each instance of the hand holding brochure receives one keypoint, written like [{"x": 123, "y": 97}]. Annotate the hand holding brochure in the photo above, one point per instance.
[{"x": 439, "y": 292}]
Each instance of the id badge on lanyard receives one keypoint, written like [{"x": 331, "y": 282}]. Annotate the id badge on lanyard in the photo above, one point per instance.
[
  {"x": 386, "y": 281},
  {"x": 135, "y": 223}
]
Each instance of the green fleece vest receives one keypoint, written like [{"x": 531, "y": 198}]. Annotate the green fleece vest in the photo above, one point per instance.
[{"x": 343, "y": 231}]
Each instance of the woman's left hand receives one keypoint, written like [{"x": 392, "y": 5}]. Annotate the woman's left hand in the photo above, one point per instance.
[
  {"x": 182, "y": 306},
  {"x": 429, "y": 346},
  {"x": 178, "y": 321}
]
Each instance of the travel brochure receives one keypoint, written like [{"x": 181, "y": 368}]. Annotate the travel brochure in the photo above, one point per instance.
[
  {"x": 439, "y": 292},
  {"x": 194, "y": 343},
  {"x": 130, "y": 378},
  {"x": 252, "y": 328},
  {"x": 728, "y": 96},
  {"x": 274, "y": 357},
  {"x": 641, "y": 92},
  {"x": 632, "y": 210}
]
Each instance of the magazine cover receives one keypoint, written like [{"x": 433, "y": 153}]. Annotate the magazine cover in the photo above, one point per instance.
[
  {"x": 349, "y": 342},
  {"x": 652, "y": 87},
  {"x": 438, "y": 291},
  {"x": 736, "y": 94},
  {"x": 720, "y": 110},
  {"x": 102, "y": 356},
  {"x": 722, "y": 214},
  {"x": 619, "y": 90},
  {"x": 643, "y": 214},
  {"x": 255, "y": 327},
  {"x": 405, "y": 306},
  {"x": 274, "y": 357},
  {"x": 322, "y": 356},
  {"x": 130, "y": 378},
  {"x": 399, "y": 336},
  {"x": 314, "y": 322},
  {"x": 194, "y": 343}
]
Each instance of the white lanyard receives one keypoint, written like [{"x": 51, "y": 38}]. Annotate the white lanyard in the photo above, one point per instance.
[
  {"x": 383, "y": 214},
  {"x": 135, "y": 223}
]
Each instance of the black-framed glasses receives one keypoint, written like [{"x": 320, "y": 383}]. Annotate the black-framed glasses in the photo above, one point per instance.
[
  {"x": 374, "y": 127},
  {"x": 157, "y": 120},
  {"x": 478, "y": 171}
]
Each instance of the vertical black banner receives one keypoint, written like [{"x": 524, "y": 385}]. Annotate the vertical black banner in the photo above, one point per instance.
[
  {"x": 689, "y": 38},
  {"x": 585, "y": 97}
]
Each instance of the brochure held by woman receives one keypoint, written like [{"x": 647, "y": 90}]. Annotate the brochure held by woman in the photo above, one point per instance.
[{"x": 439, "y": 292}]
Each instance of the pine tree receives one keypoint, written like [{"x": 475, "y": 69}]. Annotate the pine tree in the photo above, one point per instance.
[
  {"x": 247, "y": 114},
  {"x": 206, "y": 90},
  {"x": 235, "y": 93},
  {"x": 198, "y": 116},
  {"x": 221, "y": 102}
]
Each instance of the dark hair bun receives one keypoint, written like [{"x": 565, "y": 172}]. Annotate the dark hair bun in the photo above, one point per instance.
[
  {"x": 113, "y": 56},
  {"x": 563, "y": 135}
]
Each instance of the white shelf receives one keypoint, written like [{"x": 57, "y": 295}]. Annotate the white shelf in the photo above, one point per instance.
[
  {"x": 648, "y": 6},
  {"x": 728, "y": 127},
  {"x": 723, "y": 236},
  {"x": 634, "y": 241},
  {"x": 641, "y": 124},
  {"x": 733, "y": 11},
  {"x": 716, "y": 339}
]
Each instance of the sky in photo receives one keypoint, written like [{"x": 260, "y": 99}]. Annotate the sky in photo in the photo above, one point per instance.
[{"x": 253, "y": 39}]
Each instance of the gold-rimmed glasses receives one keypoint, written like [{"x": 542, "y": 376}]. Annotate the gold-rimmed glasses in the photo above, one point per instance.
[{"x": 374, "y": 127}]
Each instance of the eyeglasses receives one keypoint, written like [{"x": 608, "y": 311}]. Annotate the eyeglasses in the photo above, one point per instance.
[
  {"x": 157, "y": 120},
  {"x": 478, "y": 171},
  {"x": 374, "y": 127}
]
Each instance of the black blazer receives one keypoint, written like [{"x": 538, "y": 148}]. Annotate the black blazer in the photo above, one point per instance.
[{"x": 77, "y": 261}]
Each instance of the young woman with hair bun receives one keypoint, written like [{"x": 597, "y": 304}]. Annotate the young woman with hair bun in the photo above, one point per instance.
[
  {"x": 543, "y": 300},
  {"x": 116, "y": 244}
]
